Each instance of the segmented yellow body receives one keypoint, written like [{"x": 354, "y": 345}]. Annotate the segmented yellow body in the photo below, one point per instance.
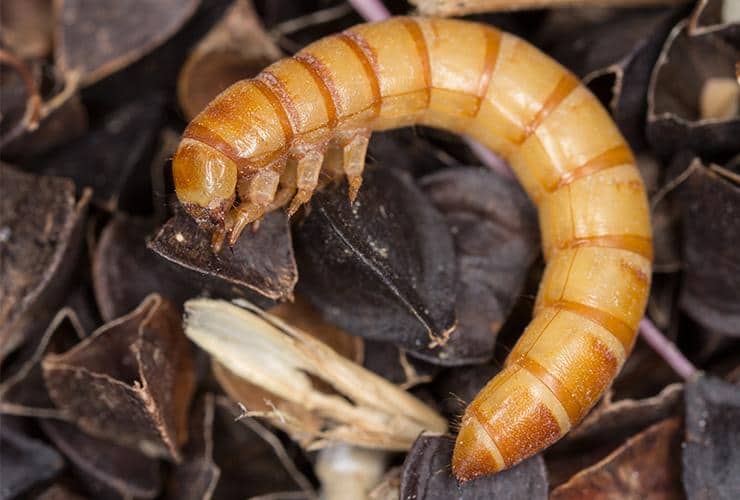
[{"x": 263, "y": 142}]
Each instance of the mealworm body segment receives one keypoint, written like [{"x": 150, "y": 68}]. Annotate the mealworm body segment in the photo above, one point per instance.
[{"x": 264, "y": 142}]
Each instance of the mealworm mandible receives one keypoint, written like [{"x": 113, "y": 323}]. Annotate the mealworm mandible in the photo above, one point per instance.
[{"x": 261, "y": 144}]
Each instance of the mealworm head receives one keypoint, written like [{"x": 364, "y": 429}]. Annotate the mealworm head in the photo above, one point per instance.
[{"x": 205, "y": 181}]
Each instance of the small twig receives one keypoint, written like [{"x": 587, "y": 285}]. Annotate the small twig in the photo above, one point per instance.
[
  {"x": 71, "y": 85},
  {"x": 32, "y": 114},
  {"x": 673, "y": 184},
  {"x": 312, "y": 19},
  {"x": 464, "y": 7},
  {"x": 666, "y": 349},
  {"x": 371, "y": 10},
  {"x": 490, "y": 159}
]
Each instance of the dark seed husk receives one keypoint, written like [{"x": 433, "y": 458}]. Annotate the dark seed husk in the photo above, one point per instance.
[
  {"x": 685, "y": 64},
  {"x": 23, "y": 391},
  {"x": 427, "y": 474},
  {"x": 112, "y": 159},
  {"x": 125, "y": 271},
  {"x": 264, "y": 465},
  {"x": 41, "y": 226},
  {"x": 710, "y": 200},
  {"x": 259, "y": 266},
  {"x": 646, "y": 466},
  {"x": 97, "y": 39},
  {"x": 25, "y": 462},
  {"x": 196, "y": 477},
  {"x": 105, "y": 469},
  {"x": 711, "y": 453},
  {"x": 494, "y": 228},
  {"x": 383, "y": 266},
  {"x": 130, "y": 382}
]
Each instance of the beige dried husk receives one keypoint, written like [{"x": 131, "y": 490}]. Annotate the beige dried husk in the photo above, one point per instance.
[{"x": 365, "y": 409}]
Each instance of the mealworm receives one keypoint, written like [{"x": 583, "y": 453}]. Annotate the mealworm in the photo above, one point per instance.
[{"x": 263, "y": 141}]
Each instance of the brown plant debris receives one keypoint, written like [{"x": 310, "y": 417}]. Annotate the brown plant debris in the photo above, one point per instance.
[
  {"x": 686, "y": 63},
  {"x": 130, "y": 382},
  {"x": 105, "y": 468},
  {"x": 646, "y": 466},
  {"x": 264, "y": 465},
  {"x": 394, "y": 243},
  {"x": 711, "y": 453},
  {"x": 494, "y": 229},
  {"x": 427, "y": 474},
  {"x": 125, "y": 271},
  {"x": 711, "y": 232},
  {"x": 259, "y": 263},
  {"x": 236, "y": 48},
  {"x": 365, "y": 410},
  {"x": 25, "y": 462},
  {"x": 448, "y": 8},
  {"x": 23, "y": 391},
  {"x": 96, "y": 39},
  {"x": 41, "y": 225}
]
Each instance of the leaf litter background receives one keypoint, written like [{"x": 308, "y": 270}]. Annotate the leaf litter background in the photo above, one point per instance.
[{"x": 103, "y": 396}]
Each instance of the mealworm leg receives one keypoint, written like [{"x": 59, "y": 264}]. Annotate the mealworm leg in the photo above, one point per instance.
[
  {"x": 260, "y": 193},
  {"x": 286, "y": 187},
  {"x": 354, "y": 162},
  {"x": 307, "y": 177},
  {"x": 332, "y": 170}
]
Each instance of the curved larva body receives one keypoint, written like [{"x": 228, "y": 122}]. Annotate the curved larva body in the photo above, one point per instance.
[{"x": 472, "y": 79}]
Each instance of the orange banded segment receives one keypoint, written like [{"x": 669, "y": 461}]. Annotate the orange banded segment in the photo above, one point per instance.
[
  {"x": 567, "y": 84},
  {"x": 421, "y": 46},
  {"x": 324, "y": 82},
  {"x": 493, "y": 42},
  {"x": 618, "y": 155},
  {"x": 197, "y": 132},
  {"x": 282, "y": 106},
  {"x": 629, "y": 242},
  {"x": 364, "y": 54},
  {"x": 572, "y": 408},
  {"x": 624, "y": 333}
]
